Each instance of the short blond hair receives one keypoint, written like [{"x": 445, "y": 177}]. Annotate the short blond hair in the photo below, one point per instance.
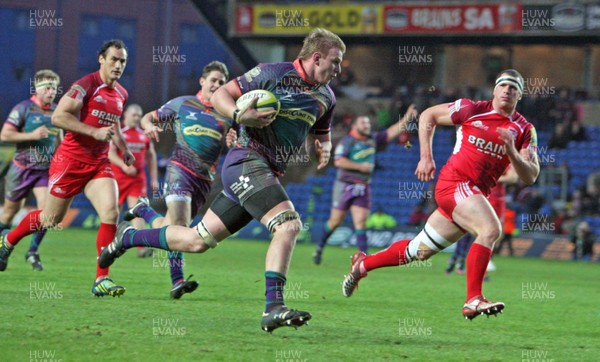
[
  {"x": 320, "y": 40},
  {"x": 46, "y": 74}
]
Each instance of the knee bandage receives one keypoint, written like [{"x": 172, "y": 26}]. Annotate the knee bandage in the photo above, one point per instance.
[
  {"x": 429, "y": 237},
  {"x": 206, "y": 236},
  {"x": 284, "y": 216}
]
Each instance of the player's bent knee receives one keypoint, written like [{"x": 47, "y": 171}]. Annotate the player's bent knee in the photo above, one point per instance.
[
  {"x": 109, "y": 216},
  {"x": 198, "y": 246},
  {"x": 291, "y": 228},
  {"x": 423, "y": 255},
  {"x": 490, "y": 235},
  {"x": 205, "y": 239},
  {"x": 287, "y": 221}
]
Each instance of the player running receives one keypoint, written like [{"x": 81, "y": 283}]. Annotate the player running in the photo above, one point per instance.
[
  {"x": 354, "y": 158},
  {"x": 132, "y": 179},
  {"x": 29, "y": 126},
  {"x": 200, "y": 135},
  {"x": 251, "y": 171},
  {"x": 490, "y": 136},
  {"x": 90, "y": 112},
  {"x": 497, "y": 199}
]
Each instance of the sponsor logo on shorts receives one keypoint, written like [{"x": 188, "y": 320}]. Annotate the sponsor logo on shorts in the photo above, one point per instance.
[
  {"x": 58, "y": 190},
  {"x": 241, "y": 187}
]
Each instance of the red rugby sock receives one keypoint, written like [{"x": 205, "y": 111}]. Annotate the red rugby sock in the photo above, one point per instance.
[
  {"x": 106, "y": 234},
  {"x": 392, "y": 256},
  {"x": 477, "y": 260},
  {"x": 30, "y": 224}
]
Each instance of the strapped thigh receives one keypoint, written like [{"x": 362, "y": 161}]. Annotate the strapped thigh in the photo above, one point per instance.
[
  {"x": 430, "y": 237},
  {"x": 233, "y": 216}
]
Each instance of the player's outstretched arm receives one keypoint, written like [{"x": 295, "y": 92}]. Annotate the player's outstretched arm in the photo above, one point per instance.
[{"x": 394, "y": 130}]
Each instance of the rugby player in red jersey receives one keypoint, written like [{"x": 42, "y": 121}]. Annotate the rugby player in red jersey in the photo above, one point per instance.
[
  {"x": 90, "y": 113},
  {"x": 131, "y": 179},
  {"x": 490, "y": 136}
]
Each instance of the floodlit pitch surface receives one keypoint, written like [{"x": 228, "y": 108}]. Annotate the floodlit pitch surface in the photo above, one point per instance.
[{"x": 552, "y": 311}]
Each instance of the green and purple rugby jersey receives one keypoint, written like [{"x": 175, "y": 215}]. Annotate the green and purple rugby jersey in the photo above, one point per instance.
[
  {"x": 305, "y": 107},
  {"x": 200, "y": 133},
  {"x": 26, "y": 117},
  {"x": 360, "y": 149}
]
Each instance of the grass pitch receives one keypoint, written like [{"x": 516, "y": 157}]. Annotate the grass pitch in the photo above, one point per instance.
[{"x": 403, "y": 313}]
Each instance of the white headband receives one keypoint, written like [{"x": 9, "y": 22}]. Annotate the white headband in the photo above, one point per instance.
[
  {"x": 507, "y": 79},
  {"x": 45, "y": 83}
]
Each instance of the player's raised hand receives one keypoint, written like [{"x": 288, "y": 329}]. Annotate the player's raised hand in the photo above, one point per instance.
[
  {"x": 425, "y": 170},
  {"x": 128, "y": 158},
  {"x": 231, "y": 138},
  {"x": 323, "y": 154},
  {"x": 249, "y": 116},
  {"x": 104, "y": 134},
  {"x": 411, "y": 112},
  {"x": 40, "y": 133}
]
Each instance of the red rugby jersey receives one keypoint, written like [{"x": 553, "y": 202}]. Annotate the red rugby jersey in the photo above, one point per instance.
[
  {"x": 479, "y": 155},
  {"x": 102, "y": 107}
]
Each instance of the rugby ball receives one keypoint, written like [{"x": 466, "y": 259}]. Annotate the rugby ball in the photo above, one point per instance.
[{"x": 266, "y": 101}]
